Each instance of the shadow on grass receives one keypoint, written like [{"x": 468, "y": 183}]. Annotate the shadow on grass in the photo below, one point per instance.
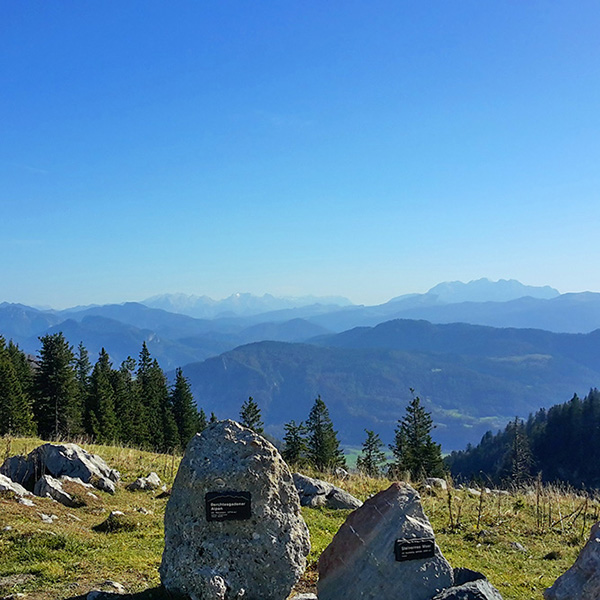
[{"x": 156, "y": 593}]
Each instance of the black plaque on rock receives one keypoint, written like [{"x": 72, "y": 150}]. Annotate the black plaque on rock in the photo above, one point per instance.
[
  {"x": 414, "y": 549},
  {"x": 228, "y": 506}
]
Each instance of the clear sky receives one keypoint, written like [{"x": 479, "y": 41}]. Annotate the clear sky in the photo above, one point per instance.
[{"x": 365, "y": 149}]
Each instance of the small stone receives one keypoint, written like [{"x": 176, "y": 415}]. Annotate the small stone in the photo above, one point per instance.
[
  {"x": 436, "y": 482},
  {"x": 518, "y": 547},
  {"x": 7, "y": 528},
  {"x": 152, "y": 482},
  {"x": 304, "y": 597},
  {"x": 116, "y": 521},
  {"x": 26, "y": 502},
  {"x": 119, "y": 587},
  {"x": 315, "y": 492},
  {"x": 47, "y": 518}
]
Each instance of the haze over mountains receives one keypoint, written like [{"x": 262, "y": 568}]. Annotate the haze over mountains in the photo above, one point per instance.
[{"x": 477, "y": 353}]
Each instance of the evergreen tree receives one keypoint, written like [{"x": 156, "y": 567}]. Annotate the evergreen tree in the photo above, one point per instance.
[
  {"x": 294, "y": 451},
  {"x": 184, "y": 409},
  {"x": 55, "y": 389},
  {"x": 202, "y": 421},
  {"x": 414, "y": 450},
  {"x": 250, "y": 416},
  {"x": 101, "y": 418},
  {"x": 323, "y": 447},
  {"x": 22, "y": 367},
  {"x": 518, "y": 458},
  {"x": 82, "y": 374},
  {"x": 16, "y": 416},
  {"x": 213, "y": 418},
  {"x": 372, "y": 458}
]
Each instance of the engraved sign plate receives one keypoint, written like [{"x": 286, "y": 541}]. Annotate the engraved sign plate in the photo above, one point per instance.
[
  {"x": 414, "y": 549},
  {"x": 228, "y": 506}
]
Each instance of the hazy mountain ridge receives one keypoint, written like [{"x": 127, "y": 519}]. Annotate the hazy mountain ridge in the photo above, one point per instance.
[{"x": 479, "y": 382}]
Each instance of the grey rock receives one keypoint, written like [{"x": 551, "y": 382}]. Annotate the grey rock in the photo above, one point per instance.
[
  {"x": 18, "y": 469},
  {"x": 261, "y": 557},
  {"x": 480, "y": 589},
  {"x": 59, "y": 460},
  {"x": 436, "y": 482},
  {"x": 582, "y": 580},
  {"x": 118, "y": 587},
  {"x": 8, "y": 485},
  {"x": 518, "y": 547},
  {"x": 304, "y": 597},
  {"x": 360, "y": 561},
  {"x": 152, "y": 482},
  {"x": 67, "y": 479},
  {"x": 48, "y": 487},
  {"x": 315, "y": 492},
  {"x": 47, "y": 518}
]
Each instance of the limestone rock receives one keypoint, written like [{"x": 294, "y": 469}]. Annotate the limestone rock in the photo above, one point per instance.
[
  {"x": 8, "y": 485},
  {"x": 463, "y": 575},
  {"x": 480, "y": 589},
  {"x": 252, "y": 543},
  {"x": 436, "y": 482},
  {"x": 360, "y": 562},
  {"x": 58, "y": 460},
  {"x": 116, "y": 521},
  {"x": 48, "y": 487},
  {"x": 152, "y": 482},
  {"x": 582, "y": 580},
  {"x": 314, "y": 492}
]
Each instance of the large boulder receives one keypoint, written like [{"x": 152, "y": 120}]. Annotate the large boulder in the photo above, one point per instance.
[
  {"x": 582, "y": 580},
  {"x": 384, "y": 551},
  {"x": 233, "y": 526},
  {"x": 58, "y": 460},
  {"x": 315, "y": 492},
  {"x": 480, "y": 589}
]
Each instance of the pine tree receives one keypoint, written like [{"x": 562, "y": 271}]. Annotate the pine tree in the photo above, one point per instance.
[
  {"x": 55, "y": 388},
  {"x": 414, "y": 450},
  {"x": 519, "y": 458},
  {"x": 323, "y": 447},
  {"x": 294, "y": 451},
  {"x": 202, "y": 421},
  {"x": 16, "y": 416},
  {"x": 250, "y": 416},
  {"x": 83, "y": 368},
  {"x": 101, "y": 418},
  {"x": 372, "y": 457},
  {"x": 213, "y": 418},
  {"x": 184, "y": 409}
]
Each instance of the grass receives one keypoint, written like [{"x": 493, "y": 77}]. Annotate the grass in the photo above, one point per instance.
[{"x": 68, "y": 558}]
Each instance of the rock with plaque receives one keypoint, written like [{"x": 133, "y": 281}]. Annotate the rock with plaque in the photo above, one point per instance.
[
  {"x": 233, "y": 527},
  {"x": 385, "y": 550}
]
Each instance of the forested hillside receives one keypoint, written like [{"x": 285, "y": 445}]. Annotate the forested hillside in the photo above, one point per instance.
[{"x": 561, "y": 443}]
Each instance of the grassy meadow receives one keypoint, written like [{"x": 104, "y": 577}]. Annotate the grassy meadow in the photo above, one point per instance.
[{"x": 522, "y": 541}]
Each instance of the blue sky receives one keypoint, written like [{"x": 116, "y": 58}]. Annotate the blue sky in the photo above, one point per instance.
[{"x": 365, "y": 149}]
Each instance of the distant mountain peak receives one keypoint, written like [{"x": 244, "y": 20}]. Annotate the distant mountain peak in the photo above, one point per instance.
[{"x": 484, "y": 290}]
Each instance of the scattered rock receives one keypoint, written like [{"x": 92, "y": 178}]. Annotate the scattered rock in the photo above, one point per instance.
[
  {"x": 553, "y": 555},
  {"x": 8, "y": 485},
  {"x": 233, "y": 525},
  {"x": 304, "y": 597},
  {"x": 582, "y": 580},
  {"x": 76, "y": 481},
  {"x": 473, "y": 492},
  {"x": 118, "y": 587},
  {"x": 116, "y": 521},
  {"x": 152, "y": 482},
  {"x": 341, "y": 473},
  {"x": 518, "y": 547},
  {"x": 436, "y": 482},
  {"x": 165, "y": 492},
  {"x": 26, "y": 502},
  {"x": 47, "y": 518},
  {"x": 360, "y": 562},
  {"x": 7, "y": 528},
  {"x": 480, "y": 589},
  {"x": 314, "y": 492},
  {"x": 48, "y": 487}
]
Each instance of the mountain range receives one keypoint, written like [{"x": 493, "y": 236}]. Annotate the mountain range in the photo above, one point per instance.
[{"x": 477, "y": 353}]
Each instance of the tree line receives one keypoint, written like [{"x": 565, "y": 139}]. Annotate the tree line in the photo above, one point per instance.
[
  {"x": 561, "y": 443},
  {"x": 62, "y": 396},
  {"x": 415, "y": 455}
]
